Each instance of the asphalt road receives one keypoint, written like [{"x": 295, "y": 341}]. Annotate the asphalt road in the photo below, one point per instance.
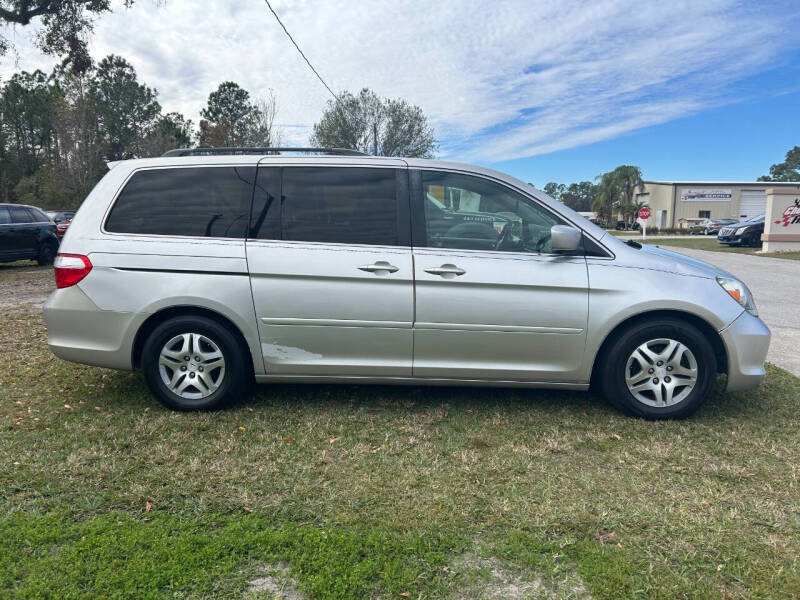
[{"x": 775, "y": 283}]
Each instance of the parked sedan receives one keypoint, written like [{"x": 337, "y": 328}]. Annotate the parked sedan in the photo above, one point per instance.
[
  {"x": 746, "y": 233},
  {"x": 710, "y": 226},
  {"x": 26, "y": 233}
]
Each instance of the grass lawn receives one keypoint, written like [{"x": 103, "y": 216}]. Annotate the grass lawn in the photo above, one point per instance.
[
  {"x": 388, "y": 492},
  {"x": 710, "y": 243}
]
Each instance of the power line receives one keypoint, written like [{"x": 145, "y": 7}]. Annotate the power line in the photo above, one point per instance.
[
  {"x": 310, "y": 66},
  {"x": 305, "y": 58}
]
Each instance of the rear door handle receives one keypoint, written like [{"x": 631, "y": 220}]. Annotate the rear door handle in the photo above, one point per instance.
[
  {"x": 380, "y": 267},
  {"x": 447, "y": 271}
]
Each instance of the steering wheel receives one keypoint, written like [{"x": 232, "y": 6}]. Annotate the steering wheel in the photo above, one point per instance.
[{"x": 505, "y": 236}]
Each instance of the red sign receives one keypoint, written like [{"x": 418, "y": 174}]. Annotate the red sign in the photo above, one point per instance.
[
  {"x": 644, "y": 213},
  {"x": 791, "y": 214}
]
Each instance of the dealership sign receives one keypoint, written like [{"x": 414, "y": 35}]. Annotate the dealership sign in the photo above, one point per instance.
[
  {"x": 706, "y": 195},
  {"x": 791, "y": 214}
]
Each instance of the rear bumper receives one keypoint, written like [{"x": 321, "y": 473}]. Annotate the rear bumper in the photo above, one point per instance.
[
  {"x": 746, "y": 341},
  {"x": 79, "y": 331}
]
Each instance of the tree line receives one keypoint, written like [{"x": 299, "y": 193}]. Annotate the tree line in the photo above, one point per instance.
[{"x": 59, "y": 130}]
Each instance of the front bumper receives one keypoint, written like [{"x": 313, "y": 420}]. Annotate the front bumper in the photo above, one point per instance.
[
  {"x": 746, "y": 342},
  {"x": 729, "y": 239},
  {"x": 79, "y": 331}
]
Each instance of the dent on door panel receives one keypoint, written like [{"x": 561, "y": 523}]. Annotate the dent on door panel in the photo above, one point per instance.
[{"x": 320, "y": 314}]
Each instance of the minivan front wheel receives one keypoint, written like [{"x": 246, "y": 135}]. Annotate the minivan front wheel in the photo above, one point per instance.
[
  {"x": 194, "y": 363},
  {"x": 659, "y": 370}
]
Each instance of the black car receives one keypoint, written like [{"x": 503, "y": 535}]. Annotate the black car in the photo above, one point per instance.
[
  {"x": 26, "y": 233},
  {"x": 746, "y": 233}
]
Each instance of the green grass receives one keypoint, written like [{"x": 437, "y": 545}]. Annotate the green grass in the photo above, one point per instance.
[
  {"x": 389, "y": 492},
  {"x": 710, "y": 243}
]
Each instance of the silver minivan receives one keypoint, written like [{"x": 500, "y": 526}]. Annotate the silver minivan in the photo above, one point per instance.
[{"x": 211, "y": 269}]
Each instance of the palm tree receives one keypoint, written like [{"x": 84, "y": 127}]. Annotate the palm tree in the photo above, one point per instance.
[
  {"x": 606, "y": 197},
  {"x": 628, "y": 177},
  {"x": 617, "y": 187}
]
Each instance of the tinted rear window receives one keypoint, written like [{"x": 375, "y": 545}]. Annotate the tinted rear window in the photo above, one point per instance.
[
  {"x": 196, "y": 202},
  {"x": 39, "y": 215},
  {"x": 20, "y": 214},
  {"x": 347, "y": 205},
  {"x": 4, "y": 216}
]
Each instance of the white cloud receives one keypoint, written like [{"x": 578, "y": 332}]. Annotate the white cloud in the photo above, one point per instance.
[{"x": 499, "y": 80}]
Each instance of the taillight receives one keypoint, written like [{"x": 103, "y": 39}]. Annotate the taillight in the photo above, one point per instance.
[{"x": 70, "y": 269}]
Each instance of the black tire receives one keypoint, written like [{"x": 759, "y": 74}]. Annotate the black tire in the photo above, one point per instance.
[
  {"x": 47, "y": 254},
  {"x": 613, "y": 368},
  {"x": 237, "y": 377}
]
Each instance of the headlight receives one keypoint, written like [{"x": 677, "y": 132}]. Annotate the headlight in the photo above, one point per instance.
[
  {"x": 739, "y": 292},
  {"x": 741, "y": 230}
]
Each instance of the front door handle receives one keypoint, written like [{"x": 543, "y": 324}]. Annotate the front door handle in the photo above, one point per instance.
[
  {"x": 380, "y": 267},
  {"x": 447, "y": 271}
]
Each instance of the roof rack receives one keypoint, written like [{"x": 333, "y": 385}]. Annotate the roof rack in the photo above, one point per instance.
[{"x": 223, "y": 151}]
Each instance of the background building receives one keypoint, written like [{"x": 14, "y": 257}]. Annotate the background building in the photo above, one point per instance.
[{"x": 677, "y": 203}]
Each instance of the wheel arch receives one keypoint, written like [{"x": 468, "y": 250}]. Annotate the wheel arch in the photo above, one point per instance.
[
  {"x": 701, "y": 324},
  {"x": 154, "y": 320}
]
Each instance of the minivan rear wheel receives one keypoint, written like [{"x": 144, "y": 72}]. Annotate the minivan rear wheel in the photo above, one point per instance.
[
  {"x": 194, "y": 363},
  {"x": 662, "y": 369}
]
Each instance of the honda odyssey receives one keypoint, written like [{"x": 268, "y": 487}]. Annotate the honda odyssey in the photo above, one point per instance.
[{"x": 211, "y": 269}]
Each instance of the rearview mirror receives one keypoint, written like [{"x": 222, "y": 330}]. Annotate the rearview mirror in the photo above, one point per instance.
[{"x": 564, "y": 238}]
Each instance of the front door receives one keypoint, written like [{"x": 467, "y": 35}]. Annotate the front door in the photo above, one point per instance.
[
  {"x": 331, "y": 270},
  {"x": 492, "y": 300}
]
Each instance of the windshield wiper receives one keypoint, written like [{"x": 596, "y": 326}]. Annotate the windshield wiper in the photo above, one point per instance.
[{"x": 633, "y": 244}]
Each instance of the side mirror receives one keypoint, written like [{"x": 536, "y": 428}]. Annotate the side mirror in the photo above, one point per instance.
[{"x": 564, "y": 238}]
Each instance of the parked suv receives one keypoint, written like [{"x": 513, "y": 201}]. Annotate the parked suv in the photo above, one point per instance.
[
  {"x": 26, "y": 233},
  {"x": 210, "y": 270},
  {"x": 60, "y": 216}
]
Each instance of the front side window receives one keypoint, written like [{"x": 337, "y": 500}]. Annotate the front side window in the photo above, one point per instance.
[
  {"x": 5, "y": 217},
  {"x": 346, "y": 205},
  {"x": 471, "y": 213},
  {"x": 195, "y": 201}
]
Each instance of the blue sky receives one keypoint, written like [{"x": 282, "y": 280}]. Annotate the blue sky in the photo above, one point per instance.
[
  {"x": 732, "y": 142},
  {"x": 549, "y": 91}
]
